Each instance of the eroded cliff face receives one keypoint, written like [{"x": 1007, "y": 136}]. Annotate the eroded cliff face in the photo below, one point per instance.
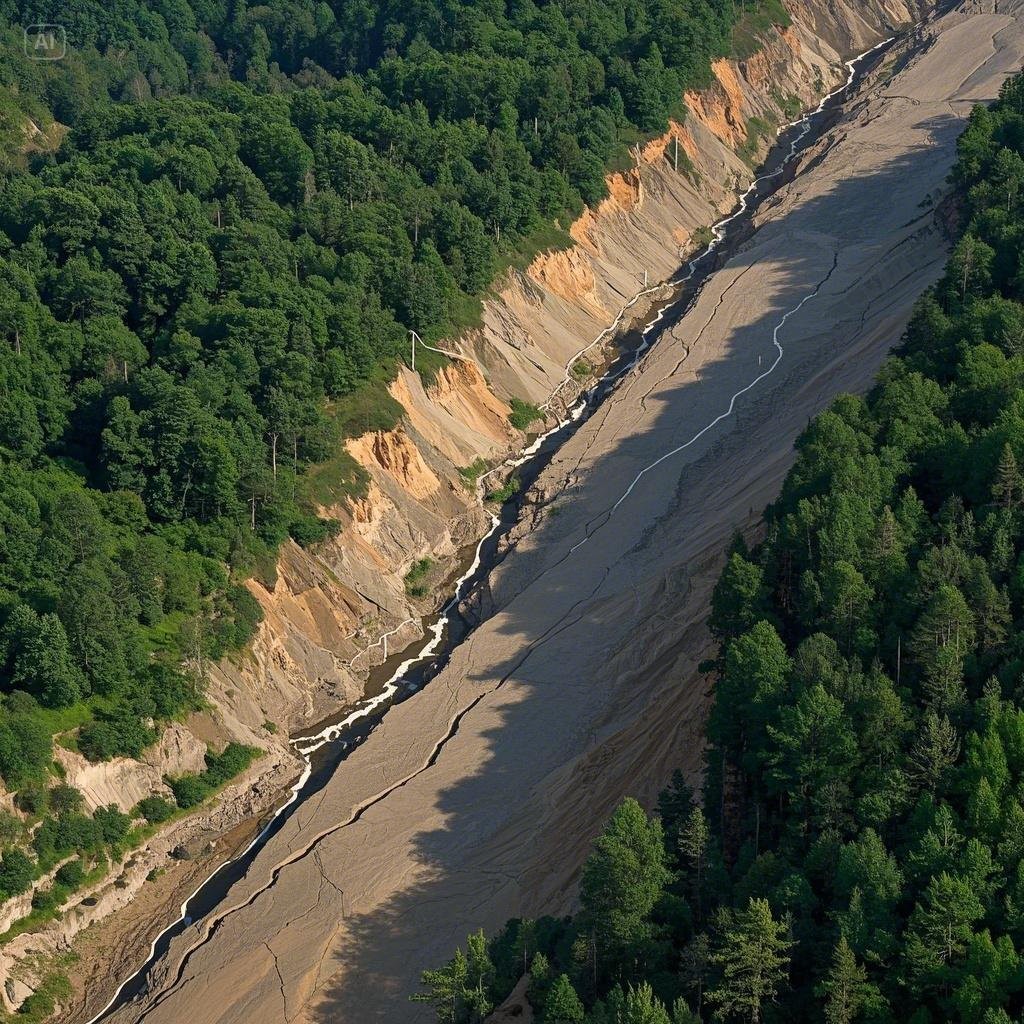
[
  {"x": 684, "y": 180},
  {"x": 332, "y": 614},
  {"x": 328, "y": 609}
]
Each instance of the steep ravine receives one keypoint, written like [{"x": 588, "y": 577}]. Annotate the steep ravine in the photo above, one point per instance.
[
  {"x": 475, "y": 799},
  {"x": 327, "y": 607},
  {"x": 330, "y": 615}
]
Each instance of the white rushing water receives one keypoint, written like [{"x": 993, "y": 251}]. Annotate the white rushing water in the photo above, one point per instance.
[{"x": 305, "y": 746}]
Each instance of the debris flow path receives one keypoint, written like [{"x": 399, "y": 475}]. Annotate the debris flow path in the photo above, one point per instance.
[{"x": 475, "y": 798}]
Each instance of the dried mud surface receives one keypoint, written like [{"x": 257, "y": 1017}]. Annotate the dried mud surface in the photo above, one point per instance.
[{"x": 477, "y": 799}]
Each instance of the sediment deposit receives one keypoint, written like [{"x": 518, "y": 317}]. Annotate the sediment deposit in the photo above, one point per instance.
[{"x": 582, "y": 686}]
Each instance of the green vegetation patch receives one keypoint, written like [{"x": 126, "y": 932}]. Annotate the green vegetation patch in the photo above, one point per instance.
[
  {"x": 471, "y": 474},
  {"x": 756, "y": 19},
  {"x": 191, "y": 789},
  {"x": 702, "y": 237},
  {"x": 502, "y": 494},
  {"x": 758, "y": 129},
  {"x": 415, "y": 578},
  {"x": 547, "y": 237},
  {"x": 370, "y": 408},
  {"x": 429, "y": 362},
  {"x": 523, "y": 414},
  {"x": 686, "y": 165},
  {"x": 791, "y": 106},
  {"x": 54, "y": 989},
  {"x": 335, "y": 480}
]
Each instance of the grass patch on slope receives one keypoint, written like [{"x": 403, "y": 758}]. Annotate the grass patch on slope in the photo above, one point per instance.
[
  {"x": 757, "y": 129},
  {"x": 415, "y": 578},
  {"x": 523, "y": 413},
  {"x": 747, "y": 33}
]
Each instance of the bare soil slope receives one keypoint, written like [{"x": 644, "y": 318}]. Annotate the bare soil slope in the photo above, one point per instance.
[{"x": 477, "y": 799}]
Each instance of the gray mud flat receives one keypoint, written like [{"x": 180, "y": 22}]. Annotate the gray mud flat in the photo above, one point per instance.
[{"x": 477, "y": 799}]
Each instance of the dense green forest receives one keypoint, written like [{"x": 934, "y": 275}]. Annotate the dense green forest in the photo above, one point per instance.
[
  {"x": 213, "y": 240},
  {"x": 218, "y": 221},
  {"x": 857, "y": 854}
]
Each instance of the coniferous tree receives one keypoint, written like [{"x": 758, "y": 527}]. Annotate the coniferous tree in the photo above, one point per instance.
[
  {"x": 643, "y": 1007},
  {"x": 940, "y": 931},
  {"x": 675, "y": 802},
  {"x": 446, "y": 989},
  {"x": 1006, "y": 488},
  {"x": 846, "y": 990},
  {"x": 479, "y": 976},
  {"x": 693, "y": 844},
  {"x": 934, "y": 752},
  {"x": 562, "y": 1005},
  {"x": 637, "y": 1005},
  {"x": 682, "y": 1014},
  {"x": 753, "y": 955},
  {"x": 540, "y": 979},
  {"x": 622, "y": 880},
  {"x": 739, "y": 598}
]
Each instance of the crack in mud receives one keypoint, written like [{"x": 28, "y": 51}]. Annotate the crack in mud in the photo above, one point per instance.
[
  {"x": 688, "y": 347},
  {"x": 602, "y": 518},
  {"x": 280, "y": 981}
]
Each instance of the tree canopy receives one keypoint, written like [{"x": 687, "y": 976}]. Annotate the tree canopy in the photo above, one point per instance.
[{"x": 217, "y": 223}]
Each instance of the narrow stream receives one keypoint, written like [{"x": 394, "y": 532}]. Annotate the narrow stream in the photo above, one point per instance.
[{"x": 325, "y": 746}]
